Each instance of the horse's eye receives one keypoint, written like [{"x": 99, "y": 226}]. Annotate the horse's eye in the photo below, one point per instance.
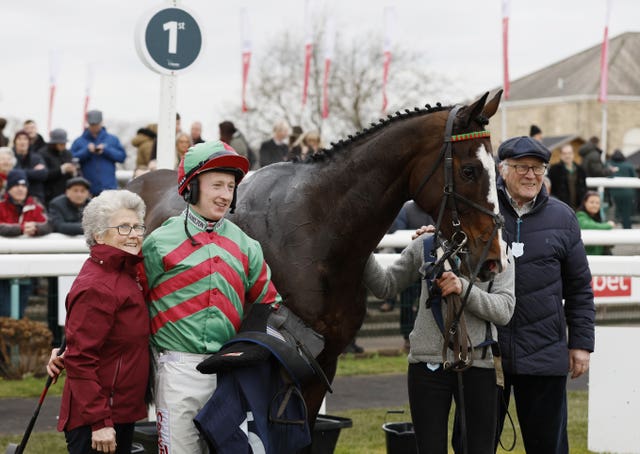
[{"x": 468, "y": 172}]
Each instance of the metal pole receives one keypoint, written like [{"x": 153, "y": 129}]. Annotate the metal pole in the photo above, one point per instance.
[
  {"x": 166, "y": 149},
  {"x": 15, "y": 298},
  {"x": 604, "y": 132},
  {"x": 504, "y": 121}
]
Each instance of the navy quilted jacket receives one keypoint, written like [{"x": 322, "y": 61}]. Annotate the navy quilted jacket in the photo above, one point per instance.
[{"x": 553, "y": 267}]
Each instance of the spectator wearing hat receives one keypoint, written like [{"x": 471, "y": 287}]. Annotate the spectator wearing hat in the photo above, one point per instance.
[
  {"x": 36, "y": 141},
  {"x": 230, "y": 135},
  {"x": 65, "y": 210},
  {"x": 546, "y": 339},
  {"x": 59, "y": 163},
  {"x": 202, "y": 258},
  {"x": 7, "y": 162},
  {"x": 98, "y": 151},
  {"x": 277, "y": 147},
  {"x": 535, "y": 133},
  {"x": 32, "y": 163},
  {"x": 20, "y": 214}
]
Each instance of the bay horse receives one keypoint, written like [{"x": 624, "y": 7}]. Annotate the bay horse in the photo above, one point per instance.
[{"x": 319, "y": 221}]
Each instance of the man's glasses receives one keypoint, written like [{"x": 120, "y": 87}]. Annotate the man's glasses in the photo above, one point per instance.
[
  {"x": 523, "y": 169},
  {"x": 126, "y": 229}
]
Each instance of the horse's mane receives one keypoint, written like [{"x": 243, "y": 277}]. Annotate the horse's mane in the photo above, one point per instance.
[{"x": 325, "y": 153}]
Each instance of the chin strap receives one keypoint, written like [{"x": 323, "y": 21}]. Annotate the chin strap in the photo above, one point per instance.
[{"x": 186, "y": 229}]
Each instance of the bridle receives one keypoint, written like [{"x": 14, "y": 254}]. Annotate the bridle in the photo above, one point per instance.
[
  {"x": 455, "y": 335},
  {"x": 456, "y": 244}
]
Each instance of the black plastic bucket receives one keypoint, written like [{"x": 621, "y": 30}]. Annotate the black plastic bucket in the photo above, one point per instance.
[{"x": 400, "y": 437}]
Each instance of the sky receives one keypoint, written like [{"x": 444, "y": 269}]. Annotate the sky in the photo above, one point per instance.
[{"x": 460, "y": 40}]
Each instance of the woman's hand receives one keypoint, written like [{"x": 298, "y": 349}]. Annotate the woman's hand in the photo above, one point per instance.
[
  {"x": 104, "y": 440},
  {"x": 422, "y": 230},
  {"x": 449, "y": 284},
  {"x": 55, "y": 365}
]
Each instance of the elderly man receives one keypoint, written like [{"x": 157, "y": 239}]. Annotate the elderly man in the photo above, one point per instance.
[
  {"x": 545, "y": 339},
  {"x": 65, "y": 210},
  {"x": 98, "y": 151}
]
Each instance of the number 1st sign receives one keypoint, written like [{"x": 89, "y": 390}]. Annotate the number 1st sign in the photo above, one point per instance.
[{"x": 168, "y": 40}]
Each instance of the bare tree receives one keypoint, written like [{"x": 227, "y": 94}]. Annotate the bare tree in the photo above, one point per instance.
[{"x": 355, "y": 86}]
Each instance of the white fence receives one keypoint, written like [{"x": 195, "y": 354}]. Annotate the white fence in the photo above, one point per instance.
[{"x": 60, "y": 255}]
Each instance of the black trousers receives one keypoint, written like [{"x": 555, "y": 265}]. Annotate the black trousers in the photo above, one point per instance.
[
  {"x": 79, "y": 439},
  {"x": 430, "y": 397},
  {"x": 541, "y": 405}
]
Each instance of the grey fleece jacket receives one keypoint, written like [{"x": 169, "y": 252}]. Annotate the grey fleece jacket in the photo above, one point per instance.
[{"x": 426, "y": 339}]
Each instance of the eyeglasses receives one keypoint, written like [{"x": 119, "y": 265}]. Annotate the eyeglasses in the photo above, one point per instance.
[
  {"x": 523, "y": 169},
  {"x": 126, "y": 229}
]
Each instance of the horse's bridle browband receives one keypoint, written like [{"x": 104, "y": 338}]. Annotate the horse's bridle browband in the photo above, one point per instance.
[{"x": 458, "y": 239}]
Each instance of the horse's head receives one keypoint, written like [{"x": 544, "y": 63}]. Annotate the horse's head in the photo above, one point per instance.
[{"x": 467, "y": 210}]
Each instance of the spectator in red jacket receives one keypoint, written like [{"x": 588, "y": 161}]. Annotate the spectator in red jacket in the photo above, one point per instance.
[{"x": 19, "y": 214}]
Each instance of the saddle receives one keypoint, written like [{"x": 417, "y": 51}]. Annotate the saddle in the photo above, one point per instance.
[{"x": 271, "y": 331}]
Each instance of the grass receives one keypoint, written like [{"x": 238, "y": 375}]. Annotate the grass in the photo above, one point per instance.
[{"x": 366, "y": 435}]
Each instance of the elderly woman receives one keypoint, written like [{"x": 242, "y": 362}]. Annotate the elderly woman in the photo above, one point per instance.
[{"x": 107, "y": 331}]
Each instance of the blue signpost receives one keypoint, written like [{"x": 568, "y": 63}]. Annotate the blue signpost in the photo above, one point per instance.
[{"x": 168, "y": 41}]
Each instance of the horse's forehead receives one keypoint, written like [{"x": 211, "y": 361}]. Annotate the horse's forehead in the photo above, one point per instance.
[{"x": 490, "y": 168}]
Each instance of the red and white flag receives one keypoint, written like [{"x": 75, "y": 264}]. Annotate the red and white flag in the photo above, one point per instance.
[
  {"x": 329, "y": 42},
  {"x": 604, "y": 58},
  {"x": 506, "y": 7},
  {"x": 54, "y": 69},
  {"x": 308, "y": 51},
  {"x": 246, "y": 54},
  {"x": 87, "y": 95},
  {"x": 389, "y": 23}
]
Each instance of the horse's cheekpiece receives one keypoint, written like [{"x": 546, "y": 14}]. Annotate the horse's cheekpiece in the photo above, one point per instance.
[{"x": 267, "y": 331}]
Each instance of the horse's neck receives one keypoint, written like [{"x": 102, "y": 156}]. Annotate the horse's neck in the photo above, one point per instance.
[{"x": 372, "y": 185}]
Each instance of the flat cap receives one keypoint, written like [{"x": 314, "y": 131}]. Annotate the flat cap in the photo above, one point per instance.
[
  {"x": 94, "y": 117},
  {"x": 519, "y": 147},
  {"x": 78, "y": 180}
]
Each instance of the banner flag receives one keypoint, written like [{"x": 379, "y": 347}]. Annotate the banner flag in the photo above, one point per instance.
[
  {"x": 389, "y": 29},
  {"x": 246, "y": 54},
  {"x": 506, "y": 7},
  {"x": 604, "y": 58}
]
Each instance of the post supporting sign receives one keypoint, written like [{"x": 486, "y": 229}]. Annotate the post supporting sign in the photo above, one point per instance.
[{"x": 168, "y": 41}]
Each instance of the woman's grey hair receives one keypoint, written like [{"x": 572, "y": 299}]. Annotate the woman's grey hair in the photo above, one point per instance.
[
  {"x": 9, "y": 152},
  {"x": 98, "y": 213}
]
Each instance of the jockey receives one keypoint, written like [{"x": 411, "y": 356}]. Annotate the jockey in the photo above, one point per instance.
[{"x": 202, "y": 271}]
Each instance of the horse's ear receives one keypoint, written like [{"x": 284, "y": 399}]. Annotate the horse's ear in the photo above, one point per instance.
[
  {"x": 471, "y": 112},
  {"x": 492, "y": 106}
]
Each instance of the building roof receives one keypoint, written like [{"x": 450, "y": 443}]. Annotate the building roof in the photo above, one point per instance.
[
  {"x": 579, "y": 74},
  {"x": 553, "y": 142}
]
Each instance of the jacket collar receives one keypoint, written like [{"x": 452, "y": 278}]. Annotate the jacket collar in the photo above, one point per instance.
[{"x": 115, "y": 259}]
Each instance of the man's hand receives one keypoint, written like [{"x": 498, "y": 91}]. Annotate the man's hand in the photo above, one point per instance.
[
  {"x": 100, "y": 148},
  {"x": 578, "y": 362},
  {"x": 29, "y": 228},
  {"x": 104, "y": 440},
  {"x": 91, "y": 147}
]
